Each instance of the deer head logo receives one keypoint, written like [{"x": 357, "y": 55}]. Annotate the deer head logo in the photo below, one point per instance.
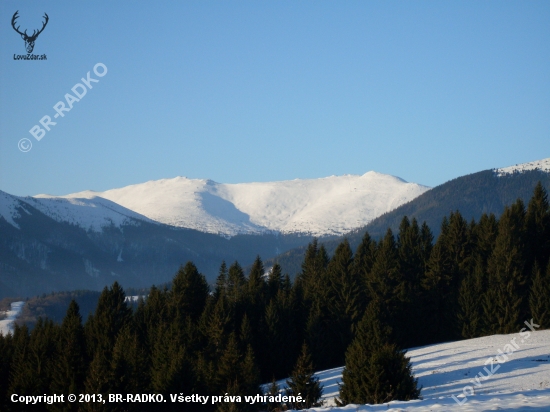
[{"x": 29, "y": 40}]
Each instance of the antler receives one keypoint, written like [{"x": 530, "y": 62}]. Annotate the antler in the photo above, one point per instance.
[
  {"x": 15, "y": 16},
  {"x": 43, "y": 26}
]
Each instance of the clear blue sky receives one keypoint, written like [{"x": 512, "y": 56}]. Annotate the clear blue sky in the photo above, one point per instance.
[{"x": 241, "y": 91}]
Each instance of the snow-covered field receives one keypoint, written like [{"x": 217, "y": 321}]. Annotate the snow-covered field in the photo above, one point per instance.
[
  {"x": 6, "y": 325},
  {"x": 519, "y": 383}
]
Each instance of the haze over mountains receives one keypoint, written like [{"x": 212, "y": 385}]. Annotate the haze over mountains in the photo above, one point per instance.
[{"x": 328, "y": 206}]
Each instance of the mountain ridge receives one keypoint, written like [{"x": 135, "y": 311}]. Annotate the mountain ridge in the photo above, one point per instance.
[{"x": 331, "y": 205}]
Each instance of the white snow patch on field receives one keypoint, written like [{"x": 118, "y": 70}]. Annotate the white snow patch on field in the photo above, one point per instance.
[
  {"x": 521, "y": 383},
  {"x": 6, "y": 325}
]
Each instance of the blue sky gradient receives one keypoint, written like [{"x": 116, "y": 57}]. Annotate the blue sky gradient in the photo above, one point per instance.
[{"x": 242, "y": 91}]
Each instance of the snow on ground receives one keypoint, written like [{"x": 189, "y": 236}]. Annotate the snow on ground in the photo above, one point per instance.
[
  {"x": 542, "y": 165},
  {"x": 6, "y": 325},
  {"x": 331, "y": 205},
  {"x": 519, "y": 383},
  {"x": 135, "y": 298}
]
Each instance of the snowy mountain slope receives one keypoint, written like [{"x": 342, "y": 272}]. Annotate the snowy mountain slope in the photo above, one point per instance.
[
  {"x": 331, "y": 205},
  {"x": 9, "y": 208},
  {"x": 521, "y": 380},
  {"x": 89, "y": 213},
  {"x": 543, "y": 165}
]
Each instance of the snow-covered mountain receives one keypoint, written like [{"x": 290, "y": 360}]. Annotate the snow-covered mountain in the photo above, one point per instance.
[
  {"x": 331, "y": 205},
  {"x": 90, "y": 213},
  {"x": 542, "y": 165}
]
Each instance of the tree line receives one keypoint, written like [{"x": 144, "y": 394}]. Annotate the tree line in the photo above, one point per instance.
[{"x": 360, "y": 309}]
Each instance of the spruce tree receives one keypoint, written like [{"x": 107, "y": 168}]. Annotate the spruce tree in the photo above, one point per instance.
[
  {"x": 364, "y": 257},
  {"x": 470, "y": 301},
  {"x": 539, "y": 298},
  {"x": 346, "y": 302},
  {"x": 236, "y": 283},
  {"x": 316, "y": 337},
  {"x": 439, "y": 300},
  {"x": 302, "y": 381},
  {"x": 189, "y": 293},
  {"x": 130, "y": 366},
  {"x": 71, "y": 362},
  {"x": 451, "y": 260},
  {"x": 312, "y": 277},
  {"x": 255, "y": 278},
  {"x": 372, "y": 333},
  {"x": 385, "y": 276},
  {"x": 391, "y": 376},
  {"x": 246, "y": 334},
  {"x": 506, "y": 300},
  {"x": 255, "y": 300},
  {"x": 221, "y": 281},
  {"x": 171, "y": 368},
  {"x": 290, "y": 303},
  {"x": 385, "y": 282},
  {"x": 98, "y": 380},
  {"x": 411, "y": 267},
  {"x": 111, "y": 315},
  {"x": 238, "y": 375},
  {"x": 537, "y": 226},
  {"x": 228, "y": 365},
  {"x": 376, "y": 371},
  {"x": 7, "y": 349},
  {"x": 426, "y": 245},
  {"x": 274, "y": 362},
  {"x": 215, "y": 325},
  {"x": 485, "y": 234},
  {"x": 250, "y": 374},
  {"x": 257, "y": 290},
  {"x": 274, "y": 280},
  {"x": 411, "y": 264},
  {"x": 33, "y": 363},
  {"x": 458, "y": 246},
  {"x": 154, "y": 312}
]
